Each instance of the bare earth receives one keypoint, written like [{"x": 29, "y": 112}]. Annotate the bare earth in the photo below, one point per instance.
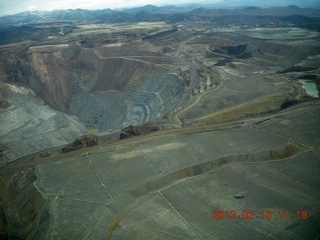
[{"x": 231, "y": 130}]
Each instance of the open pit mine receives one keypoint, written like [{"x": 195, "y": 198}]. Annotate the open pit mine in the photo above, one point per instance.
[{"x": 186, "y": 128}]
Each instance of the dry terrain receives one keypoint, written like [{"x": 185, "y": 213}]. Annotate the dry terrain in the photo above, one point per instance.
[{"x": 143, "y": 130}]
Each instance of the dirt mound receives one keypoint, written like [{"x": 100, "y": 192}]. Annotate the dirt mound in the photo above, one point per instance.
[
  {"x": 140, "y": 129},
  {"x": 82, "y": 142}
]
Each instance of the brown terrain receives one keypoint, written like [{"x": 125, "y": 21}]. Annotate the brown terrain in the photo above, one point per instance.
[{"x": 141, "y": 130}]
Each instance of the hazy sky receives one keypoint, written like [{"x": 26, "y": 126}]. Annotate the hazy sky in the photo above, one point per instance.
[{"x": 15, "y": 6}]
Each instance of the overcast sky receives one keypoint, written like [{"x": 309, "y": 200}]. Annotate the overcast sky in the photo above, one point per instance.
[{"x": 14, "y": 6}]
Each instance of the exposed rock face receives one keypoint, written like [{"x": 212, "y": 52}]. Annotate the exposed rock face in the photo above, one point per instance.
[
  {"x": 29, "y": 126},
  {"x": 112, "y": 81},
  {"x": 50, "y": 79},
  {"x": 233, "y": 50},
  {"x": 229, "y": 124},
  {"x": 107, "y": 87},
  {"x": 96, "y": 84}
]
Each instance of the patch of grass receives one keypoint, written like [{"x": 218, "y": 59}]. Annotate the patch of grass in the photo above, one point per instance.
[{"x": 93, "y": 131}]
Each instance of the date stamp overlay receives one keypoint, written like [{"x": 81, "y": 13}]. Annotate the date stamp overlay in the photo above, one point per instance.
[{"x": 263, "y": 214}]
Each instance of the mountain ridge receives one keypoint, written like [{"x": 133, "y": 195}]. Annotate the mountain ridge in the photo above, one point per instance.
[{"x": 151, "y": 13}]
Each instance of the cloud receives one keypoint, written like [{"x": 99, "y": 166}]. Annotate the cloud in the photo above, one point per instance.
[
  {"x": 14, "y": 6},
  {"x": 97, "y": 4},
  {"x": 32, "y": 8}
]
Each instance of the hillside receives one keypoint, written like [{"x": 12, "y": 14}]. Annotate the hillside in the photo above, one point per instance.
[{"x": 160, "y": 123}]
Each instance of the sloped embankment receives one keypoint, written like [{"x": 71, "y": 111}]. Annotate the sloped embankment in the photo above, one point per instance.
[
  {"x": 28, "y": 217},
  {"x": 285, "y": 151}
]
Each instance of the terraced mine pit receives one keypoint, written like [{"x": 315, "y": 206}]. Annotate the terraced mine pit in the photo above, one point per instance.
[{"x": 142, "y": 130}]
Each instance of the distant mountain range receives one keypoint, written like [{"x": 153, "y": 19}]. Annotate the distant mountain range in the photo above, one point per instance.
[{"x": 167, "y": 13}]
